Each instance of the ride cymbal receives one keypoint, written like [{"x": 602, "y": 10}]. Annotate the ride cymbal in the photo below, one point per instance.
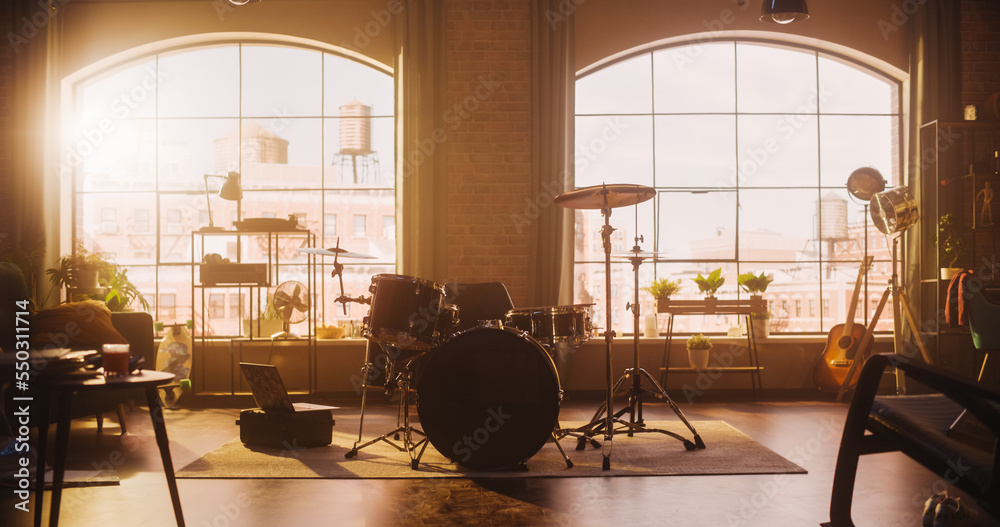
[{"x": 600, "y": 196}]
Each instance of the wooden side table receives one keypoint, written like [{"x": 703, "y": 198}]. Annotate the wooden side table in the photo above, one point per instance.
[{"x": 64, "y": 387}]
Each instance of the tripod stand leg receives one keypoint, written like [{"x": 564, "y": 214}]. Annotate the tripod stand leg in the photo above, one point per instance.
[
  {"x": 661, "y": 394},
  {"x": 569, "y": 464},
  {"x": 365, "y": 370}
]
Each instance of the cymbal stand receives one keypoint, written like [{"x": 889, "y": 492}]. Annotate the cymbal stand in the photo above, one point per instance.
[
  {"x": 403, "y": 380},
  {"x": 635, "y": 374},
  {"x": 586, "y": 432}
]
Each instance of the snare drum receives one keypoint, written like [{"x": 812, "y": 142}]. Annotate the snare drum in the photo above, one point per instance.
[
  {"x": 488, "y": 398},
  {"x": 548, "y": 325},
  {"x": 408, "y": 312}
]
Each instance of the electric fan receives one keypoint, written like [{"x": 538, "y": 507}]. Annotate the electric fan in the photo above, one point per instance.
[{"x": 291, "y": 302}]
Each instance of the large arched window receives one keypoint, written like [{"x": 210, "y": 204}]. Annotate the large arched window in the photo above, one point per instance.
[
  {"x": 310, "y": 131},
  {"x": 749, "y": 146}
]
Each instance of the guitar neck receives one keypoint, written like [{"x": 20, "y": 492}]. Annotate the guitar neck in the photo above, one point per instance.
[{"x": 849, "y": 323}]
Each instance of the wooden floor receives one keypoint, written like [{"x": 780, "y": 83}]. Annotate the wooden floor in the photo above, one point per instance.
[{"x": 890, "y": 492}]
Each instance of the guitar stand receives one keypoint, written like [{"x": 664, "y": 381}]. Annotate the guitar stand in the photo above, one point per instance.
[{"x": 403, "y": 381}]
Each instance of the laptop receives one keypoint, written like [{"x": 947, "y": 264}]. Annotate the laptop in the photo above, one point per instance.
[{"x": 269, "y": 392}]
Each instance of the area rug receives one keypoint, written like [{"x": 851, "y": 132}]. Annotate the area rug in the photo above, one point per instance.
[{"x": 728, "y": 451}]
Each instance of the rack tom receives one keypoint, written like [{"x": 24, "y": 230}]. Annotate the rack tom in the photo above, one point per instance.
[{"x": 408, "y": 312}]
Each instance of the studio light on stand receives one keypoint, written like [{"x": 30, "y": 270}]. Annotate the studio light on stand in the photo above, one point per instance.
[
  {"x": 231, "y": 190},
  {"x": 892, "y": 212},
  {"x": 784, "y": 11}
]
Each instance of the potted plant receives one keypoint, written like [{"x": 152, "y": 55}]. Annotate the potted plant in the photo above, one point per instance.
[
  {"x": 662, "y": 289},
  {"x": 698, "y": 347},
  {"x": 761, "y": 323},
  {"x": 268, "y": 324},
  {"x": 754, "y": 284},
  {"x": 952, "y": 246},
  {"x": 90, "y": 273},
  {"x": 711, "y": 283}
]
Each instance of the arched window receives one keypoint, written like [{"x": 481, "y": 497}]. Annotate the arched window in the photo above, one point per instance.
[
  {"x": 749, "y": 145},
  {"x": 310, "y": 132}
]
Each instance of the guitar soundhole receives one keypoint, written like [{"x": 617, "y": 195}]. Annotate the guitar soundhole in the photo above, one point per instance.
[{"x": 845, "y": 342}]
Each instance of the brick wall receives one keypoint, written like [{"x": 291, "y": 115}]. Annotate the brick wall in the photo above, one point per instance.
[
  {"x": 980, "y": 51},
  {"x": 488, "y": 145}
]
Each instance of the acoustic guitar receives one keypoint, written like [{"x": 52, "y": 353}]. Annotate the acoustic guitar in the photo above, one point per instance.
[{"x": 842, "y": 342}]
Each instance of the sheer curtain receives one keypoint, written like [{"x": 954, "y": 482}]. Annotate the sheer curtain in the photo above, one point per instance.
[
  {"x": 552, "y": 82},
  {"x": 420, "y": 159},
  {"x": 34, "y": 139}
]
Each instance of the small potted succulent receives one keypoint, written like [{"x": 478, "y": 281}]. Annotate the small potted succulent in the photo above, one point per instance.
[
  {"x": 699, "y": 346},
  {"x": 711, "y": 283}
]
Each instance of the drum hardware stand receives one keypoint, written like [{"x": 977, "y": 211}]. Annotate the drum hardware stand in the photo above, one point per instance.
[
  {"x": 586, "y": 432},
  {"x": 403, "y": 381},
  {"x": 635, "y": 392}
]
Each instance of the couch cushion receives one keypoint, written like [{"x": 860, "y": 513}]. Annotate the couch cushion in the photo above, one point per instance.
[{"x": 78, "y": 325}]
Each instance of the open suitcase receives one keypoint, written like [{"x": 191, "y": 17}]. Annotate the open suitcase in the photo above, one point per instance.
[{"x": 288, "y": 430}]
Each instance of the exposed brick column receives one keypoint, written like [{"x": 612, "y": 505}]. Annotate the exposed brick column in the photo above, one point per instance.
[{"x": 489, "y": 132}]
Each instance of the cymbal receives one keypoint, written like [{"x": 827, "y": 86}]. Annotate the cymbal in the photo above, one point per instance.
[
  {"x": 334, "y": 251},
  {"x": 593, "y": 197},
  {"x": 643, "y": 255}
]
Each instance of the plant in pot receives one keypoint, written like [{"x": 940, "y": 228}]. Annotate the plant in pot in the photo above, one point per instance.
[
  {"x": 711, "y": 283},
  {"x": 761, "y": 323},
  {"x": 94, "y": 273},
  {"x": 267, "y": 324},
  {"x": 661, "y": 289},
  {"x": 754, "y": 284},
  {"x": 698, "y": 347},
  {"x": 952, "y": 246}
]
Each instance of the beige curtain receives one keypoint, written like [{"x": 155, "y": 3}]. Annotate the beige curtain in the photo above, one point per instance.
[
  {"x": 550, "y": 278},
  {"x": 935, "y": 93},
  {"x": 420, "y": 159},
  {"x": 34, "y": 138}
]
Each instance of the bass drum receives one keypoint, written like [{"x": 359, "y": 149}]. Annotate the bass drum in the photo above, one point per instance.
[{"x": 488, "y": 398}]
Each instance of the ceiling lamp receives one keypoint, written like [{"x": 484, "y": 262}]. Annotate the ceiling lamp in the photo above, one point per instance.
[{"x": 784, "y": 11}]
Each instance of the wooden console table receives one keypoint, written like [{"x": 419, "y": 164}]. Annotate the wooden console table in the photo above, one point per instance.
[{"x": 714, "y": 307}]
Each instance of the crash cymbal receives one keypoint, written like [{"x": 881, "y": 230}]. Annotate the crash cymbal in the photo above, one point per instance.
[
  {"x": 334, "y": 251},
  {"x": 617, "y": 194}
]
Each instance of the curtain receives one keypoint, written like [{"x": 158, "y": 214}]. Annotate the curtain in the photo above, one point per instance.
[
  {"x": 935, "y": 93},
  {"x": 550, "y": 278},
  {"x": 34, "y": 174},
  {"x": 420, "y": 159}
]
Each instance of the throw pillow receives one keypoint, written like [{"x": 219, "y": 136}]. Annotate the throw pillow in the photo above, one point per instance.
[{"x": 78, "y": 325}]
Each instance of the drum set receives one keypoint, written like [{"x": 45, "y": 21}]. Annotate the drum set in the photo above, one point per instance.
[{"x": 488, "y": 396}]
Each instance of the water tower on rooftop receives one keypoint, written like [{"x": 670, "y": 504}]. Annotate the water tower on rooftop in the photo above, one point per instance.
[{"x": 356, "y": 145}]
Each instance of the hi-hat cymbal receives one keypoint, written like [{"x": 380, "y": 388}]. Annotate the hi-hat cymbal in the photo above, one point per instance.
[
  {"x": 335, "y": 251},
  {"x": 617, "y": 194},
  {"x": 642, "y": 255}
]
